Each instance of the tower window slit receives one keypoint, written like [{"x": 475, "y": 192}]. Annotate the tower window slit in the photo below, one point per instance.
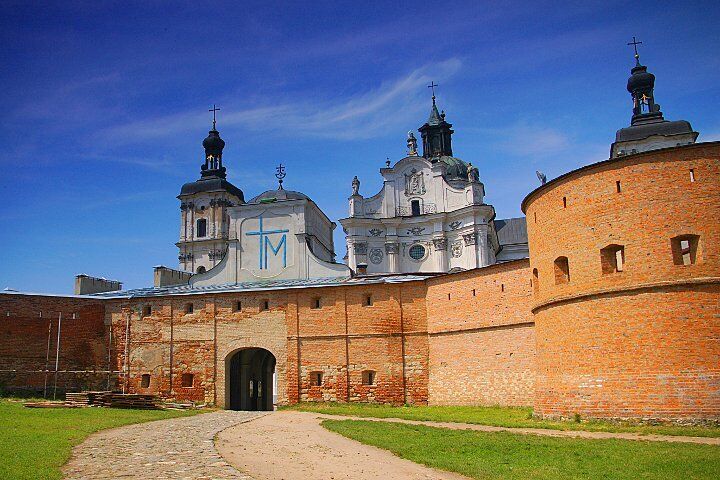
[
  {"x": 617, "y": 186},
  {"x": 692, "y": 174}
]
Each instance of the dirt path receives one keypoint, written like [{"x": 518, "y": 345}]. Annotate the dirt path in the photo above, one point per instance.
[
  {"x": 537, "y": 431},
  {"x": 290, "y": 445}
]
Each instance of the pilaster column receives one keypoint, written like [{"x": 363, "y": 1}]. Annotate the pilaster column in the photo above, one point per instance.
[
  {"x": 470, "y": 240},
  {"x": 441, "y": 261},
  {"x": 392, "y": 250}
]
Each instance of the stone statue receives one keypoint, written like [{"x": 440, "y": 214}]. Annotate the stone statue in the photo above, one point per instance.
[
  {"x": 412, "y": 144},
  {"x": 473, "y": 173},
  {"x": 355, "y": 186}
]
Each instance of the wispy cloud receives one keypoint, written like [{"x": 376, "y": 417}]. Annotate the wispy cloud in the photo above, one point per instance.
[
  {"x": 112, "y": 200},
  {"x": 362, "y": 115}
]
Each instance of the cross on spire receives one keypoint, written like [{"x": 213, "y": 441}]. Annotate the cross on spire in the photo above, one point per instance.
[
  {"x": 432, "y": 86},
  {"x": 635, "y": 43},
  {"x": 214, "y": 109},
  {"x": 280, "y": 174}
]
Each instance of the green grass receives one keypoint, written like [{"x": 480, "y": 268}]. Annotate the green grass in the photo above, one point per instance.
[
  {"x": 514, "y": 456},
  {"x": 520, "y": 417},
  {"x": 36, "y": 442}
]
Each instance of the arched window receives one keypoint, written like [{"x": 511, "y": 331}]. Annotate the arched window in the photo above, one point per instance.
[
  {"x": 612, "y": 259},
  {"x": 562, "y": 270},
  {"x": 201, "y": 230},
  {"x": 200, "y": 269}
]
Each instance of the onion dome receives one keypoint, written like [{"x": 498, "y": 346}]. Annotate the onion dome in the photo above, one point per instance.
[
  {"x": 640, "y": 79},
  {"x": 213, "y": 144}
]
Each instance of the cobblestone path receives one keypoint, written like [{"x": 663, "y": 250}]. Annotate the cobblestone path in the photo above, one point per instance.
[{"x": 179, "y": 448}]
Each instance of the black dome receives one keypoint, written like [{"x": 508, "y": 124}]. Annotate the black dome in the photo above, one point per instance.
[
  {"x": 213, "y": 144},
  {"x": 640, "y": 79}
]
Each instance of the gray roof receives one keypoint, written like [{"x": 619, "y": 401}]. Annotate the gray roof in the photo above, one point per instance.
[
  {"x": 279, "y": 195},
  {"x": 663, "y": 127},
  {"x": 258, "y": 286},
  {"x": 211, "y": 184},
  {"x": 511, "y": 231}
]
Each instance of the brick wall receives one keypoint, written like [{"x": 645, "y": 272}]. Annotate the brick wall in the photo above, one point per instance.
[
  {"x": 641, "y": 342},
  {"x": 481, "y": 337},
  {"x": 29, "y": 341}
]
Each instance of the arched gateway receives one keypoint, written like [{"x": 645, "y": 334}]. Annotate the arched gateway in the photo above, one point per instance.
[{"x": 249, "y": 379}]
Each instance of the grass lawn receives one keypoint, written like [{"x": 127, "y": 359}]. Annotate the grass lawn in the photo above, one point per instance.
[
  {"x": 36, "y": 442},
  {"x": 515, "y": 456},
  {"x": 495, "y": 416}
]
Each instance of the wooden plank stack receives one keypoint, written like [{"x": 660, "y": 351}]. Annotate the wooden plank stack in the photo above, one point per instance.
[{"x": 112, "y": 400}]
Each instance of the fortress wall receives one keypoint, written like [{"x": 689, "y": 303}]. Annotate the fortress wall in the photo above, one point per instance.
[
  {"x": 481, "y": 337},
  {"x": 641, "y": 342},
  {"x": 28, "y": 344}
]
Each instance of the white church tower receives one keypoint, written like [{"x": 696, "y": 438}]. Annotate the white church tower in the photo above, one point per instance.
[
  {"x": 204, "y": 204},
  {"x": 430, "y": 214}
]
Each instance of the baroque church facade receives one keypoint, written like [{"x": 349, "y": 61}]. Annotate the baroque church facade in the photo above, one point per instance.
[
  {"x": 430, "y": 215},
  {"x": 601, "y": 302}
]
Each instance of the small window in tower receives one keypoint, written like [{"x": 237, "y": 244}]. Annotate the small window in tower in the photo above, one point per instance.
[
  {"x": 562, "y": 270},
  {"x": 685, "y": 249},
  {"x": 237, "y": 307},
  {"x": 564, "y": 202},
  {"x": 187, "y": 379},
  {"x": 368, "y": 301},
  {"x": 473, "y": 292},
  {"x": 502, "y": 287},
  {"x": 264, "y": 304},
  {"x": 316, "y": 303},
  {"x": 316, "y": 379},
  {"x": 617, "y": 186},
  {"x": 692, "y": 174},
  {"x": 147, "y": 311},
  {"x": 415, "y": 208},
  {"x": 535, "y": 281},
  {"x": 448, "y": 296},
  {"x": 145, "y": 381},
  {"x": 201, "y": 230},
  {"x": 189, "y": 307},
  {"x": 612, "y": 259},
  {"x": 535, "y": 216},
  {"x": 368, "y": 377}
]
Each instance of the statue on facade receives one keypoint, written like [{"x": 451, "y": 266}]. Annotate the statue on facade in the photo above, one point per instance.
[
  {"x": 412, "y": 144},
  {"x": 355, "y": 186},
  {"x": 473, "y": 173}
]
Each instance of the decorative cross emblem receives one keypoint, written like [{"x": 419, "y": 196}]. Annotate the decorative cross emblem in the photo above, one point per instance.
[
  {"x": 280, "y": 174},
  {"x": 265, "y": 244},
  {"x": 214, "y": 109},
  {"x": 432, "y": 86}
]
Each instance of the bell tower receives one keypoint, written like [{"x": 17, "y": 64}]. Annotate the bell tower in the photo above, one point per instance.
[
  {"x": 436, "y": 132},
  {"x": 204, "y": 203},
  {"x": 648, "y": 128}
]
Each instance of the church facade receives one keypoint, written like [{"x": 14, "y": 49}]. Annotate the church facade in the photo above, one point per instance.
[
  {"x": 612, "y": 312},
  {"x": 430, "y": 215}
]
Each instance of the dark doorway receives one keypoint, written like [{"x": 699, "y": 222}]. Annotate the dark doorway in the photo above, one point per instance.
[{"x": 250, "y": 379}]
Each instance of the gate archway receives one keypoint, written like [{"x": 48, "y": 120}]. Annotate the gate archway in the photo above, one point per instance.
[{"x": 249, "y": 379}]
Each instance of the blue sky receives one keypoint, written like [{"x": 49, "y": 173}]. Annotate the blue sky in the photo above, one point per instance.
[{"x": 105, "y": 106}]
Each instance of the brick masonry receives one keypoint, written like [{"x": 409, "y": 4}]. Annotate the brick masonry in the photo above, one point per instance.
[
  {"x": 639, "y": 343},
  {"x": 642, "y": 342}
]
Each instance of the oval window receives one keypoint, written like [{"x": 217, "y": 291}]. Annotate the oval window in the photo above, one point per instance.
[{"x": 417, "y": 252}]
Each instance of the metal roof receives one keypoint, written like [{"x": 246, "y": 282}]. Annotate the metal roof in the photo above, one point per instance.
[{"x": 259, "y": 286}]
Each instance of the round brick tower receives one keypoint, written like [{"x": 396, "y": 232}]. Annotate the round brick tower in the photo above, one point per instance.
[{"x": 625, "y": 259}]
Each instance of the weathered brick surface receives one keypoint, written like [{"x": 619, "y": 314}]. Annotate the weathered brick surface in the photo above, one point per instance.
[
  {"x": 641, "y": 342},
  {"x": 28, "y": 343},
  {"x": 481, "y": 337}
]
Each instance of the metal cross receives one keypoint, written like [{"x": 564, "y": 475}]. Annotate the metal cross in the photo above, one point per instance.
[
  {"x": 635, "y": 43},
  {"x": 214, "y": 109},
  {"x": 280, "y": 169},
  {"x": 433, "y": 85}
]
